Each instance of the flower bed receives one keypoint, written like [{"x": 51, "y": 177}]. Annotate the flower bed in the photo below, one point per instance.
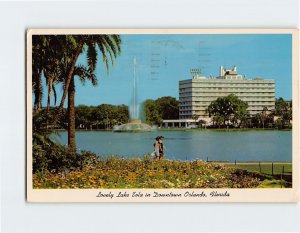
[{"x": 115, "y": 172}]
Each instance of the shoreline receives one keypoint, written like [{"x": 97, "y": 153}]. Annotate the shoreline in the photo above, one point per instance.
[{"x": 184, "y": 129}]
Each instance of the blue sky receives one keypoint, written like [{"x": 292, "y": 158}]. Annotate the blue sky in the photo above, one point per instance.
[{"x": 163, "y": 60}]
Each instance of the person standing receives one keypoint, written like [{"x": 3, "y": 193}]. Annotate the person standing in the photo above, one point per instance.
[{"x": 159, "y": 148}]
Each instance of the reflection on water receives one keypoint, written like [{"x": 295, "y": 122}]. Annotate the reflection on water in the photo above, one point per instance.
[{"x": 221, "y": 146}]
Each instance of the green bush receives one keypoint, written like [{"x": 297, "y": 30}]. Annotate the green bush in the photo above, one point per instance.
[
  {"x": 56, "y": 158},
  {"x": 52, "y": 157}
]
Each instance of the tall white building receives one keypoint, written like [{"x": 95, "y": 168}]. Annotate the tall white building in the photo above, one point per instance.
[{"x": 196, "y": 94}]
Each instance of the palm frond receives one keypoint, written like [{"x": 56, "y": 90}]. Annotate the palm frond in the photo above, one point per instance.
[
  {"x": 84, "y": 73},
  {"x": 92, "y": 56},
  {"x": 116, "y": 39},
  {"x": 113, "y": 43},
  {"x": 103, "y": 51},
  {"x": 110, "y": 52}
]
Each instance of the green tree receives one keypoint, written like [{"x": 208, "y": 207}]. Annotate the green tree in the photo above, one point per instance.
[
  {"x": 64, "y": 62},
  {"x": 241, "y": 113},
  {"x": 48, "y": 53},
  {"x": 229, "y": 108},
  {"x": 202, "y": 122},
  {"x": 279, "y": 123},
  {"x": 255, "y": 120},
  {"x": 155, "y": 111},
  {"x": 283, "y": 109},
  {"x": 121, "y": 114},
  {"x": 53, "y": 68},
  {"x": 218, "y": 120},
  {"x": 109, "y": 46},
  {"x": 195, "y": 118},
  {"x": 39, "y": 55},
  {"x": 280, "y": 106},
  {"x": 151, "y": 111},
  {"x": 101, "y": 117},
  {"x": 83, "y": 116},
  {"x": 168, "y": 107},
  {"x": 264, "y": 116}
]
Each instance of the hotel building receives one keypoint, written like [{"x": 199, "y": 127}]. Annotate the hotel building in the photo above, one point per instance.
[{"x": 196, "y": 94}]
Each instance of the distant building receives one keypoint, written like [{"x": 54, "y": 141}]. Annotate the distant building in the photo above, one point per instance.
[
  {"x": 185, "y": 123},
  {"x": 196, "y": 94}
]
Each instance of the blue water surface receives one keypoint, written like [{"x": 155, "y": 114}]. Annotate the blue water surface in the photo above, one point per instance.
[{"x": 253, "y": 145}]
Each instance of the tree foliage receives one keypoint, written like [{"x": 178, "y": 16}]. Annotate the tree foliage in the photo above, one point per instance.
[
  {"x": 55, "y": 57},
  {"x": 101, "y": 117},
  {"x": 168, "y": 107},
  {"x": 228, "y": 109},
  {"x": 163, "y": 108},
  {"x": 284, "y": 112},
  {"x": 151, "y": 111}
]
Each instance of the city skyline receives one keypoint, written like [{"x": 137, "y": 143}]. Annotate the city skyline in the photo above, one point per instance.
[{"x": 163, "y": 60}]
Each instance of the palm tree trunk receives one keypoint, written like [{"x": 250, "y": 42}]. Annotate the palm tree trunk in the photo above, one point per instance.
[
  {"x": 50, "y": 84},
  {"x": 66, "y": 87},
  {"x": 71, "y": 117},
  {"x": 38, "y": 92}
]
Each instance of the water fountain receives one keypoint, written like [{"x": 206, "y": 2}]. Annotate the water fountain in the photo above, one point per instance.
[{"x": 135, "y": 124}]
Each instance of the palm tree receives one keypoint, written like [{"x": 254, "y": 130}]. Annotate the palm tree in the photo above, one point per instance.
[
  {"x": 47, "y": 56},
  {"x": 56, "y": 57},
  {"x": 108, "y": 45},
  {"x": 54, "y": 68},
  {"x": 39, "y": 48},
  {"x": 264, "y": 116}
]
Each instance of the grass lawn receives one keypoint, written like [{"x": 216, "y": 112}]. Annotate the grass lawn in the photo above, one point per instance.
[
  {"x": 282, "y": 173},
  {"x": 265, "y": 168},
  {"x": 273, "y": 184}
]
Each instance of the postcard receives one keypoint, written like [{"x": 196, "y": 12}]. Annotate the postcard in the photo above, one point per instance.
[{"x": 162, "y": 115}]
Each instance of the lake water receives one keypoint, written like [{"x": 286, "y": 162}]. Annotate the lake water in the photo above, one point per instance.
[{"x": 256, "y": 145}]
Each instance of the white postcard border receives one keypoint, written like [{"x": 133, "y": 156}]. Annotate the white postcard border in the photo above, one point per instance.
[{"x": 235, "y": 195}]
